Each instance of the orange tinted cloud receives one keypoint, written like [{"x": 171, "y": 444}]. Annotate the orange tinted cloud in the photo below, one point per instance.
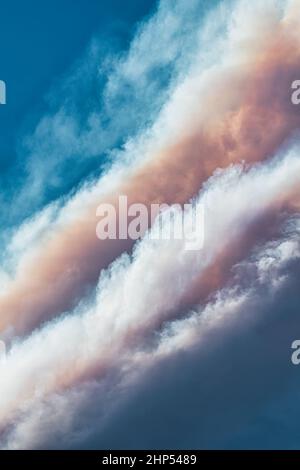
[{"x": 63, "y": 269}]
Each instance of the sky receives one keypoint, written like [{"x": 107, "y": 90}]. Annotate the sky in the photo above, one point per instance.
[
  {"x": 146, "y": 344},
  {"x": 39, "y": 44}
]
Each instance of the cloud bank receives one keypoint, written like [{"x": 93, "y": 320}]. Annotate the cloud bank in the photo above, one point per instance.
[{"x": 100, "y": 333}]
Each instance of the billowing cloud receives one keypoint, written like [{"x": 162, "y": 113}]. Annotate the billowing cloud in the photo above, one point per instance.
[
  {"x": 240, "y": 111},
  {"x": 105, "y": 335},
  {"x": 88, "y": 323}
]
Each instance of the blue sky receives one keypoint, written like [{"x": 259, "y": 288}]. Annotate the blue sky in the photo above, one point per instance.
[
  {"x": 39, "y": 41},
  {"x": 78, "y": 83}
]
